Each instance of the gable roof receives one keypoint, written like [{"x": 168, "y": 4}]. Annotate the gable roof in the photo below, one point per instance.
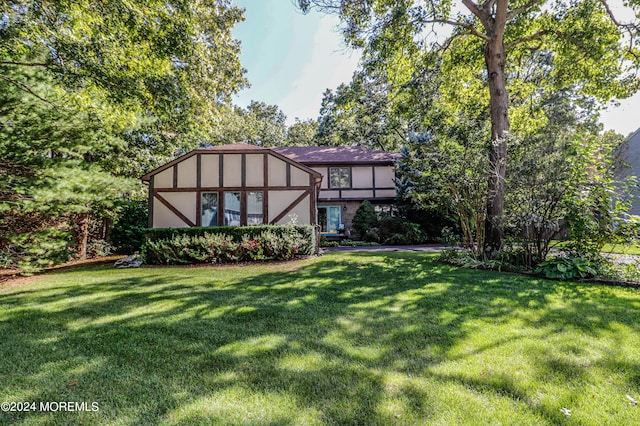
[
  {"x": 336, "y": 154},
  {"x": 235, "y": 148}
]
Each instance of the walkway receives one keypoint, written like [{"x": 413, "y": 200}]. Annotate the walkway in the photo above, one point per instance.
[{"x": 423, "y": 247}]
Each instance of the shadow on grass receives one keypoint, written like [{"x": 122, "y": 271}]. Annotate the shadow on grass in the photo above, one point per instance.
[{"x": 363, "y": 338}]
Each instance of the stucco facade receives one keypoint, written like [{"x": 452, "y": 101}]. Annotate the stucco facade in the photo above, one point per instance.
[{"x": 232, "y": 185}]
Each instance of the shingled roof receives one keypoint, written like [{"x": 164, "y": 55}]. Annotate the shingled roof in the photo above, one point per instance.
[{"x": 336, "y": 154}]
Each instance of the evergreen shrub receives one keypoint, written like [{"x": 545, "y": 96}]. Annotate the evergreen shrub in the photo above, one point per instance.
[{"x": 227, "y": 244}]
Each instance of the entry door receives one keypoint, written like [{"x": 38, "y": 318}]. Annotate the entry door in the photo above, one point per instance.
[{"x": 329, "y": 219}]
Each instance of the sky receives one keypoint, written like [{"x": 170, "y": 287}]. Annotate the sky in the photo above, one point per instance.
[{"x": 291, "y": 59}]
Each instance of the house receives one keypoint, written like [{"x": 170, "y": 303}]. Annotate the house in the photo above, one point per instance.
[
  {"x": 235, "y": 184},
  {"x": 351, "y": 175},
  {"x": 628, "y": 164},
  {"x": 243, "y": 184}
]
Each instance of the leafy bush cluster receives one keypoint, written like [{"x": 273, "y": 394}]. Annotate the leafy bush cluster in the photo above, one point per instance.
[
  {"x": 386, "y": 229},
  {"x": 227, "y": 244},
  {"x": 566, "y": 268}
]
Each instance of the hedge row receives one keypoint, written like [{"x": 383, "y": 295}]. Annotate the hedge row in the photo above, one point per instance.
[{"x": 227, "y": 244}]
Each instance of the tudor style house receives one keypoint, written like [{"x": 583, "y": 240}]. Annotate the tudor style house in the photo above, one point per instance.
[
  {"x": 350, "y": 175},
  {"x": 235, "y": 184},
  {"x": 243, "y": 184}
]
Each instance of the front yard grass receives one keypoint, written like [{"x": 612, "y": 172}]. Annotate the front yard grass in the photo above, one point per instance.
[{"x": 347, "y": 338}]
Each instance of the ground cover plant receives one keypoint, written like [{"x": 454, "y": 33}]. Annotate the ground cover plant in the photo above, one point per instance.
[{"x": 346, "y": 338}]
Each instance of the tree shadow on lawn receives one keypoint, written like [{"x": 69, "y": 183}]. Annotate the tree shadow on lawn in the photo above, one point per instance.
[{"x": 368, "y": 338}]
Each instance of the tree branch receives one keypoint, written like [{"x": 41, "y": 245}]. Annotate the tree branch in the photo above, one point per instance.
[
  {"x": 469, "y": 27},
  {"x": 25, "y": 64},
  {"x": 524, "y": 8},
  {"x": 26, "y": 88},
  {"x": 480, "y": 13},
  {"x": 525, "y": 39}
]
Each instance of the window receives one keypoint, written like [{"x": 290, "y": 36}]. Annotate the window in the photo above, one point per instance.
[
  {"x": 232, "y": 208},
  {"x": 339, "y": 177},
  {"x": 209, "y": 203},
  {"x": 255, "y": 215},
  {"x": 329, "y": 219}
]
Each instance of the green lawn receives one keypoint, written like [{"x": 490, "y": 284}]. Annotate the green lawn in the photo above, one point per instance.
[{"x": 347, "y": 338}]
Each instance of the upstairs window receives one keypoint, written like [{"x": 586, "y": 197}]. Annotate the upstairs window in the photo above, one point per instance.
[{"x": 339, "y": 177}]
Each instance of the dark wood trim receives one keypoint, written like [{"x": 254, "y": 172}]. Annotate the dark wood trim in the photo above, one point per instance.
[
  {"x": 243, "y": 166},
  {"x": 314, "y": 195},
  {"x": 288, "y": 173},
  {"x": 199, "y": 170},
  {"x": 373, "y": 200},
  {"x": 175, "y": 176},
  {"x": 220, "y": 208},
  {"x": 243, "y": 208},
  {"x": 298, "y": 164},
  {"x": 291, "y": 206},
  {"x": 265, "y": 188},
  {"x": 373, "y": 180},
  {"x": 150, "y": 202},
  {"x": 220, "y": 170},
  {"x": 234, "y": 188},
  {"x": 174, "y": 210},
  {"x": 199, "y": 208},
  {"x": 360, "y": 189}
]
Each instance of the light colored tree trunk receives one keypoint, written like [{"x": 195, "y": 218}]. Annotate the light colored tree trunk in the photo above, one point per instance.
[{"x": 495, "y": 59}]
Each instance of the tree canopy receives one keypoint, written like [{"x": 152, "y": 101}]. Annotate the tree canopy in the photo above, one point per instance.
[
  {"x": 94, "y": 94},
  {"x": 586, "y": 46}
]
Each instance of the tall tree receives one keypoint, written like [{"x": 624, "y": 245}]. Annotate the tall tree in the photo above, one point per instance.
[
  {"x": 92, "y": 92},
  {"x": 587, "y": 44}
]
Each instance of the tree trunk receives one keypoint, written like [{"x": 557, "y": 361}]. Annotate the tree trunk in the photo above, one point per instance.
[
  {"x": 495, "y": 59},
  {"x": 82, "y": 235}
]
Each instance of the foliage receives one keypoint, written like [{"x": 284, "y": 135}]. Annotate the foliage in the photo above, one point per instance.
[
  {"x": 351, "y": 243},
  {"x": 99, "y": 248},
  {"x": 396, "y": 230},
  {"x": 543, "y": 173},
  {"x": 227, "y": 244},
  {"x": 582, "y": 47},
  {"x": 597, "y": 208},
  {"x": 326, "y": 243},
  {"x": 449, "y": 169},
  {"x": 567, "y": 268},
  {"x": 469, "y": 259},
  {"x": 448, "y": 237},
  {"x": 127, "y": 234},
  {"x": 302, "y": 133},
  {"x": 95, "y": 94},
  {"x": 365, "y": 220}
]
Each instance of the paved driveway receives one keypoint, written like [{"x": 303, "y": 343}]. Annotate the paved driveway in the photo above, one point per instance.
[{"x": 423, "y": 247}]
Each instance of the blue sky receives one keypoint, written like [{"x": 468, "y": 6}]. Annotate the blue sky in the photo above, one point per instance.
[{"x": 293, "y": 58}]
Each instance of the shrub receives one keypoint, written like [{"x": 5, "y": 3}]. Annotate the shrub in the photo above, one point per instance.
[
  {"x": 364, "y": 221},
  {"x": 566, "y": 268},
  {"x": 227, "y": 244},
  {"x": 128, "y": 230},
  {"x": 351, "y": 243},
  {"x": 98, "y": 248},
  {"x": 396, "y": 230}
]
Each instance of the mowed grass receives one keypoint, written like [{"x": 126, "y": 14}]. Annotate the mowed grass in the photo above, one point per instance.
[{"x": 347, "y": 338}]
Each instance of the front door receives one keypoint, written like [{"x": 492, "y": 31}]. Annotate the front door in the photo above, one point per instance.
[{"x": 329, "y": 219}]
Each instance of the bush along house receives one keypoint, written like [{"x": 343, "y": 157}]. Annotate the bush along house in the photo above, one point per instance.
[{"x": 243, "y": 184}]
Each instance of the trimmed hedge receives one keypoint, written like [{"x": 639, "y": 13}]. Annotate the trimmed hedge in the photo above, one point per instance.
[{"x": 221, "y": 244}]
